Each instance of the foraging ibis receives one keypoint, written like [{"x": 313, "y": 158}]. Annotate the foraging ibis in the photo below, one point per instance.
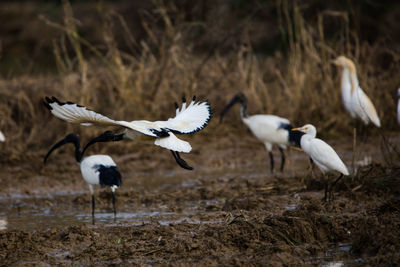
[
  {"x": 189, "y": 119},
  {"x": 269, "y": 129},
  {"x": 96, "y": 170},
  {"x": 322, "y": 154}
]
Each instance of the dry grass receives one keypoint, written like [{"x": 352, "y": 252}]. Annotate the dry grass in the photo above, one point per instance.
[{"x": 298, "y": 82}]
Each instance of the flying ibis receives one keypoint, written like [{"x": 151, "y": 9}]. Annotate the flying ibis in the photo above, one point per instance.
[{"x": 188, "y": 119}]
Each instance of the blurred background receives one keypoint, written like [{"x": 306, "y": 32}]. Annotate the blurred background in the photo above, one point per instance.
[{"x": 132, "y": 60}]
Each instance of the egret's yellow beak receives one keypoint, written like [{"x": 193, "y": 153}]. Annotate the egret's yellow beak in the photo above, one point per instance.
[
  {"x": 335, "y": 62},
  {"x": 295, "y": 129}
]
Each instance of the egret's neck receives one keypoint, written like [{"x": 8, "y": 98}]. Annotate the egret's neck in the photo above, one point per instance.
[
  {"x": 349, "y": 79},
  {"x": 305, "y": 141}
]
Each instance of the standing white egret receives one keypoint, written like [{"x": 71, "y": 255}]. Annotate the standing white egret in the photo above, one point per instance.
[
  {"x": 355, "y": 101},
  {"x": 322, "y": 154},
  {"x": 2, "y": 137},
  {"x": 96, "y": 170},
  {"x": 269, "y": 129},
  {"x": 189, "y": 119}
]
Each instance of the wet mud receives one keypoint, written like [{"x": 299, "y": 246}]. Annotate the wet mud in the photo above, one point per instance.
[{"x": 229, "y": 212}]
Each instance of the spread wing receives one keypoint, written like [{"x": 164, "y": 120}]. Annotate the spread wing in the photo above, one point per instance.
[
  {"x": 189, "y": 119},
  {"x": 75, "y": 113}
]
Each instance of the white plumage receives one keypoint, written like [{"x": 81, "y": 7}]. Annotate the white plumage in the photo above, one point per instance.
[
  {"x": 269, "y": 129},
  {"x": 2, "y": 137},
  {"x": 355, "y": 101},
  {"x": 322, "y": 154},
  {"x": 96, "y": 170},
  {"x": 189, "y": 119}
]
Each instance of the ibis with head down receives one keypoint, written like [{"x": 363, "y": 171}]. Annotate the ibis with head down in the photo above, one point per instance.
[
  {"x": 269, "y": 129},
  {"x": 188, "y": 119},
  {"x": 322, "y": 154},
  {"x": 96, "y": 169}
]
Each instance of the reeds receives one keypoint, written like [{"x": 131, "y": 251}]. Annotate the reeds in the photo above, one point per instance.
[{"x": 297, "y": 82}]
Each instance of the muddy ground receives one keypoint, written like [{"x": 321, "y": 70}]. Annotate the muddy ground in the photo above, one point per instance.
[{"x": 229, "y": 211}]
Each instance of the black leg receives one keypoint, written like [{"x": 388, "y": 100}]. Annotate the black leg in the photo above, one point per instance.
[
  {"x": 271, "y": 160},
  {"x": 326, "y": 191},
  {"x": 282, "y": 159},
  {"x": 334, "y": 183},
  {"x": 115, "y": 210},
  {"x": 93, "y": 206},
  {"x": 181, "y": 162}
]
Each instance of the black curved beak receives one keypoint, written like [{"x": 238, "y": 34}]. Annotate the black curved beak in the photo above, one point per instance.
[
  {"x": 71, "y": 138},
  {"x": 107, "y": 136},
  {"x": 238, "y": 98}
]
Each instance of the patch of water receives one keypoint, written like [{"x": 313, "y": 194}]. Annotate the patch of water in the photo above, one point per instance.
[{"x": 340, "y": 250}]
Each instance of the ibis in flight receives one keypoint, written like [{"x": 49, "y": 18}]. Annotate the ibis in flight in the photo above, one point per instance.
[
  {"x": 269, "y": 129},
  {"x": 322, "y": 154},
  {"x": 96, "y": 169},
  {"x": 190, "y": 118}
]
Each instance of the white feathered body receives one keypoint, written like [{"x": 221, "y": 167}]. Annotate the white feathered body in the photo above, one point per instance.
[
  {"x": 89, "y": 168},
  {"x": 323, "y": 155},
  {"x": 267, "y": 129},
  {"x": 355, "y": 101},
  {"x": 189, "y": 119},
  {"x": 2, "y": 137}
]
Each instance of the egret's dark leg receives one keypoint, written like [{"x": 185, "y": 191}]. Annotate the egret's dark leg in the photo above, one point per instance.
[
  {"x": 93, "y": 206},
  {"x": 181, "y": 162},
  {"x": 282, "y": 159},
  {"x": 113, "y": 201},
  {"x": 333, "y": 185},
  {"x": 271, "y": 159},
  {"x": 326, "y": 188}
]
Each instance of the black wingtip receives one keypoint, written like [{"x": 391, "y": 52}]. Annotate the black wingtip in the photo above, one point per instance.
[
  {"x": 183, "y": 99},
  {"x": 176, "y": 105},
  {"x": 47, "y": 105},
  {"x": 194, "y": 98}
]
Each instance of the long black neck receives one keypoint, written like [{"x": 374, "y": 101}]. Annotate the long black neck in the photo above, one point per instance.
[
  {"x": 243, "y": 108},
  {"x": 71, "y": 138},
  {"x": 78, "y": 153},
  {"x": 238, "y": 98},
  {"x": 295, "y": 137}
]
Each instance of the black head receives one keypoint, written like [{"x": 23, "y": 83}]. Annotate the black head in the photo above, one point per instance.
[
  {"x": 295, "y": 137},
  {"x": 107, "y": 136},
  {"x": 70, "y": 138},
  {"x": 238, "y": 98}
]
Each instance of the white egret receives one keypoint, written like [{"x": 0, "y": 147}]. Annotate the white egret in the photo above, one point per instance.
[
  {"x": 322, "y": 154},
  {"x": 269, "y": 129},
  {"x": 355, "y": 101},
  {"x": 189, "y": 119}
]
